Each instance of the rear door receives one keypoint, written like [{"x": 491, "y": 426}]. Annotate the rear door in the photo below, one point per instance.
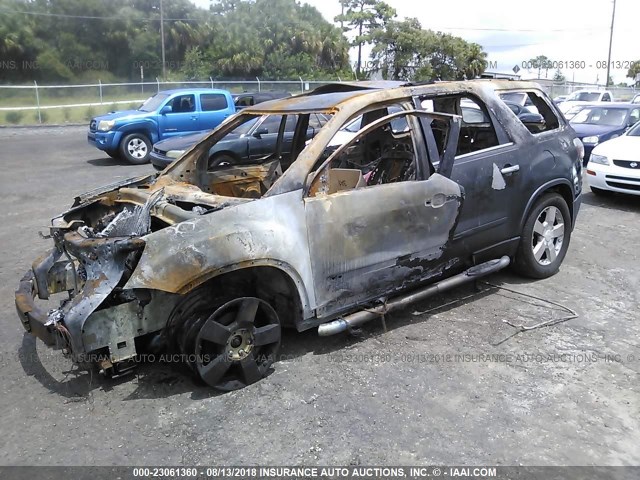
[
  {"x": 378, "y": 221},
  {"x": 214, "y": 108},
  {"x": 487, "y": 166}
]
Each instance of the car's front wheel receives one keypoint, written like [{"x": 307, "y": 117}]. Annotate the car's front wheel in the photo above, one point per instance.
[
  {"x": 135, "y": 148},
  {"x": 545, "y": 237},
  {"x": 113, "y": 154},
  {"x": 229, "y": 341}
]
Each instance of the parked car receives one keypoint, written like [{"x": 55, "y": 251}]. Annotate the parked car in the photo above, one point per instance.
[
  {"x": 573, "y": 111},
  {"x": 242, "y": 146},
  {"x": 519, "y": 98},
  {"x": 247, "y": 99},
  {"x": 214, "y": 262},
  {"x": 585, "y": 97},
  {"x": 636, "y": 98},
  {"x": 560, "y": 99},
  {"x": 595, "y": 124},
  {"x": 130, "y": 134},
  {"x": 614, "y": 166},
  {"x": 472, "y": 113}
]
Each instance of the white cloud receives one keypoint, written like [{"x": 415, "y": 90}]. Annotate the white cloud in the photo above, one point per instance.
[{"x": 513, "y": 32}]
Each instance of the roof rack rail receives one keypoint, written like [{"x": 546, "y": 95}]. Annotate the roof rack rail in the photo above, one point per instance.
[{"x": 339, "y": 87}]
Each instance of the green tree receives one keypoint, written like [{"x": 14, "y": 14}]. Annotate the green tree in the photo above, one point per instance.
[
  {"x": 558, "y": 77},
  {"x": 541, "y": 62},
  {"x": 633, "y": 71},
  {"x": 194, "y": 66},
  {"x": 365, "y": 16},
  {"x": 403, "y": 50},
  {"x": 277, "y": 39}
]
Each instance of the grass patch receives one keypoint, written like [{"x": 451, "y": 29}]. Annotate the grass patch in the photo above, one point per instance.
[{"x": 56, "y": 116}]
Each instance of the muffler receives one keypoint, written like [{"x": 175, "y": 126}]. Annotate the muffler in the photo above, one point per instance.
[{"x": 363, "y": 316}]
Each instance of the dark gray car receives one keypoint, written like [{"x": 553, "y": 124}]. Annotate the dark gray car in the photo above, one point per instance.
[{"x": 328, "y": 234}]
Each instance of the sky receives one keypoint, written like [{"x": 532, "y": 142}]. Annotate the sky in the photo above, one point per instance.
[{"x": 512, "y": 31}]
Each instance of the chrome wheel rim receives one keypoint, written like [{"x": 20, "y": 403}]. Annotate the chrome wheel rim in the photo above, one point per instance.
[
  {"x": 137, "y": 148},
  {"x": 548, "y": 235}
]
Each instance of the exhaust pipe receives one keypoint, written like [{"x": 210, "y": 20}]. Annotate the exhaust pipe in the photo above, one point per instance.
[{"x": 363, "y": 316}]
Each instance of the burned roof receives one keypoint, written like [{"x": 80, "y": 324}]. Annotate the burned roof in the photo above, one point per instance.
[
  {"x": 325, "y": 102},
  {"x": 327, "y": 98}
]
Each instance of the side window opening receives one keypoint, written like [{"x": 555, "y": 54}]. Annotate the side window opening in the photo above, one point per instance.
[
  {"x": 476, "y": 131},
  {"x": 183, "y": 104},
  {"x": 212, "y": 102},
  {"x": 535, "y": 115},
  {"x": 384, "y": 154}
]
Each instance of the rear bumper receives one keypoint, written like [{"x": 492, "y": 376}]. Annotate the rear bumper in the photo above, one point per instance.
[
  {"x": 577, "y": 203},
  {"x": 587, "y": 153}
]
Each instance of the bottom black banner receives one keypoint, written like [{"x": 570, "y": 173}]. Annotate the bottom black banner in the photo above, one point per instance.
[{"x": 319, "y": 472}]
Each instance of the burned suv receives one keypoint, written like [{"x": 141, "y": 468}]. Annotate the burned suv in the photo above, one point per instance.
[{"x": 213, "y": 261}]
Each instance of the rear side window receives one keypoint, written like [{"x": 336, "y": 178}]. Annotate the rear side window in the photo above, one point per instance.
[
  {"x": 536, "y": 114},
  {"x": 213, "y": 101}
]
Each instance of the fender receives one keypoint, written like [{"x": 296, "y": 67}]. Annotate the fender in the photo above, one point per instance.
[
  {"x": 270, "y": 231},
  {"x": 538, "y": 193},
  {"x": 147, "y": 126}
]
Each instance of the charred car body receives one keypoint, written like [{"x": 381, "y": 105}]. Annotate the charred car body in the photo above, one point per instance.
[{"x": 215, "y": 261}]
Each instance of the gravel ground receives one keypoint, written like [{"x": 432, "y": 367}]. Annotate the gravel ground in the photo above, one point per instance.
[{"x": 449, "y": 383}]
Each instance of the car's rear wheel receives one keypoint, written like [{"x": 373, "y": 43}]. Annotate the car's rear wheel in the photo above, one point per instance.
[
  {"x": 135, "y": 148},
  {"x": 545, "y": 237},
  {"x": 600, "y": 191},
  {"x": 229, "y": 345}
]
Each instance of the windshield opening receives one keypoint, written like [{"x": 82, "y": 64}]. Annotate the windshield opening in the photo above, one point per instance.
[
  {"x": 584, "y": 97},
  {"x": 614, "y": 117},
  {"x": 244, "y": 158},
  {"x": 634, "y": 131},
  {"x": 151, "y": 104}
]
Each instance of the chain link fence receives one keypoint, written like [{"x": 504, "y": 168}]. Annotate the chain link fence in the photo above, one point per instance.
[
  {"x": 29, "y": 104},
  {"x": 60, "y": 104}
]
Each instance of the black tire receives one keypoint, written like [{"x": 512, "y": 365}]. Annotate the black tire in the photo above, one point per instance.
[
  {"x": 220, "y": 159},
  {"x": 135, "y": 148},
  {"x": 600, "y": 192},
  {"x": 242, "y": 364},
  {"x": 115, "y": 154},
  {"x": 542, "y": 249}
]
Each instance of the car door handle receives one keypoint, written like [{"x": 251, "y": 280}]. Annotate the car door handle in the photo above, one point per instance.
[
  {"x": 510, "y": 169},
  {"x": 194, "y": 117}
]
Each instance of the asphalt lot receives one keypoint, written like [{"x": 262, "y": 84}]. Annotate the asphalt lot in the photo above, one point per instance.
[{"x": 454, "y": 385}]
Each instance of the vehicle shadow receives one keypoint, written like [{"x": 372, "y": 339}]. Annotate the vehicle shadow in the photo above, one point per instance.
[
  {"x": 155, "y": 379},
  {"x": 158, "y": 379},
  {"x": 613, "y": 201},
  {"x": 297, "y": 344},
  {"x": 107, "y": 162}
]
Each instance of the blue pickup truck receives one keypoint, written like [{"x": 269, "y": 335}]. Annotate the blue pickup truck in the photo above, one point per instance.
[{"x": 130, "y": 134}]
